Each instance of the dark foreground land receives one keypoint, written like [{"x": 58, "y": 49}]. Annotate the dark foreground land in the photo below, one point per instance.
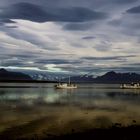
[{"x": 116, "y": 132}]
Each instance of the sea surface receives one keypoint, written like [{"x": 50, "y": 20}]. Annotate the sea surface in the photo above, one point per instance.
[{"x": 40, "y": 109}]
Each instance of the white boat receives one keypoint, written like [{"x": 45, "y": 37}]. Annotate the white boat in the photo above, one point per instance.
[
  {"x": 66, "y": 85},
  {"x": 130, "y": 86}
]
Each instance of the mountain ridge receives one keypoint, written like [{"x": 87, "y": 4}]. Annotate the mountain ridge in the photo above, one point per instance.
[
  {"x": 109, "y": 77},
  {"x": 9, "y": 76}
]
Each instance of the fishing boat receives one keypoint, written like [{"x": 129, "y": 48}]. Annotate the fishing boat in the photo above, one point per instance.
[
  {"x": 130, "y": 86},
  {"x": 68, "y": 85}
]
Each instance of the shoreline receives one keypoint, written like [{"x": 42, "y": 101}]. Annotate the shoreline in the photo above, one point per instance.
[{"x": 26, "y": 81}]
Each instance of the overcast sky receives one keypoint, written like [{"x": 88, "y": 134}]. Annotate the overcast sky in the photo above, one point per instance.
[{"x": 70, "y": 36}]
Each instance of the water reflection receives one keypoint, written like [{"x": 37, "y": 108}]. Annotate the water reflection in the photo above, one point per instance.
[
  {"x": 88, "y": 102},
  {"x": 83, "y": 96}
]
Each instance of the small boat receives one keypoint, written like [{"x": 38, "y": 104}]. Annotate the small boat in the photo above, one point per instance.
[
  {"x": 130, "y": 86},
  {"x": 66, "y": 85}
]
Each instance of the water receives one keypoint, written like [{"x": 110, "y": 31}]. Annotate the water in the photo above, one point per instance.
[{"x": 41, "y": 107}]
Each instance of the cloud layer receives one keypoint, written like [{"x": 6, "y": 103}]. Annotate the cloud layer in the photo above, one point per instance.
[
  {"x": 36, "y": 13},
  {"x": 74, "y": 37}
]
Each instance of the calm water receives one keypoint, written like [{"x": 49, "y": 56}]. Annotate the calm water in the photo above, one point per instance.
[{"x": 95, "y": 105}]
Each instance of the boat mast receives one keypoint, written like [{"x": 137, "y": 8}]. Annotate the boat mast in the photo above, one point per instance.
[{"x": 69, "y": 80}]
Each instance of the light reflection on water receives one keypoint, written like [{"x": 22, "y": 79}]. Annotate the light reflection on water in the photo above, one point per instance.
[
  {"x": 86, "y": 94},
  {"x": 19, "y": 105}
]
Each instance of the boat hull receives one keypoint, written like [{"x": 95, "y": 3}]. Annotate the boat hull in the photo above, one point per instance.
[
  {"x": 130, "y": 86},
  {"x": 65, "y": 86}
]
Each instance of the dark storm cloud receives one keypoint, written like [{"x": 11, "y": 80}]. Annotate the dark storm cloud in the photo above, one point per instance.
[
  {"x": 108, "y": 58},
  {"x": 59, "y": 3},
  {"x": 2, "y": 21},
  {"x": 23, "y": 11},
  {"x": 134, "y": 10},
  {"x": 88, "y": 37},
  {"x": 38, "y": 13},
  {"x": 26, "y": 55},
  {"x": 124, "y": 1},
  {"x": 11, "y": 26},
  {"x": 57, "y": 61}
]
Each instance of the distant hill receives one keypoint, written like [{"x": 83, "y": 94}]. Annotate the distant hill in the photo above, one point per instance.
[
  {"x": 13, "y": 76},
  {"x": 109, "y": 77},
  {"x": 113, "y": 77}
]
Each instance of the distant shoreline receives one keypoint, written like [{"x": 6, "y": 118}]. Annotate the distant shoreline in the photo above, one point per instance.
[
  {"x": 26, "y": 81},
  {"x": 75, "y": 82}
]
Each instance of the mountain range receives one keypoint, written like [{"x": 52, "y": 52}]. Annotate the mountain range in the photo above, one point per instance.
[
  {"x": 13, "y": 76},
  {"x": 109, "y": 77}
]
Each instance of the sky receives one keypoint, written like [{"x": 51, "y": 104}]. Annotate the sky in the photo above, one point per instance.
[{"x": 70, "y": 36}]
